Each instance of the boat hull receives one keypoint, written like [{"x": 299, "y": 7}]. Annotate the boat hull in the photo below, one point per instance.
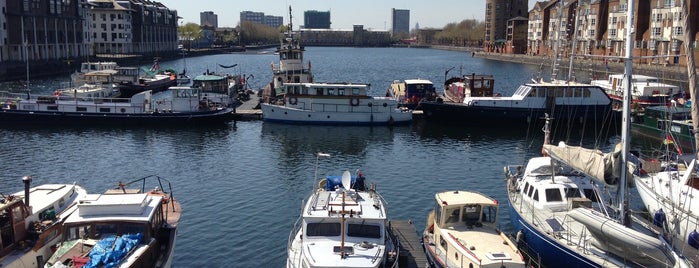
[
  {"x": 19, "y": 117},
  {"x": 379, "y": 116},
  {"x": 465, "y": 114},
  {"x": 127, "y": 90}
]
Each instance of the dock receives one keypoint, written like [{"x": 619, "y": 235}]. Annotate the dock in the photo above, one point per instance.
[
  {"x": 412, "y": 254},
  {"x": 249, "y": 110}
]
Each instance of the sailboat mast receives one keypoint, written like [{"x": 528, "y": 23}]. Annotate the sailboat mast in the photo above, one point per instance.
[
  {"x": 624, "y": 217},
  {"x": 691, "y": 73}
]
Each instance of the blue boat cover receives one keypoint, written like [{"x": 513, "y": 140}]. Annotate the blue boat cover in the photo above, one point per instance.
[
  {"x": 333, "y": 182},
  {"x": 109, "y": 251}
]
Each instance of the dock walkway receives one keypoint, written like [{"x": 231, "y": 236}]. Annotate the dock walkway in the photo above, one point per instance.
[
  {"x": 249, "y": 110},
  {"x": 412, "y": 254}
]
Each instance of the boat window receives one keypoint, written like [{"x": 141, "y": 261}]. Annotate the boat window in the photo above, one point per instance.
[
  {"x": 590, "y": 194},
  {"x": 578, "y": 92},
  {"x": 81, "y": 109},
  {"x": 340, "y": 91},
  {"x": 78, "y": 232},
  {"x": 541, "y": 92},
  {"x": 103, "y": 230},
  {"x": 319, "y": 91},
  {"x": 304, "y": 90},
  {"x": 364, "y": 230},
  {"x": 323, "y": 229},
  {"x": 536, "y": 195},
  {"x": 489, "y": 214},
  {"x": 570, "y": 92},
  {"x": 586, "y": 93},
  {"x": 442, "y": 242},
  {"x": 438, "y": 212},
  {"x": 572, "y": 192},
  {"x": 526, "y": 187},
  {"x": 105, "y": 110},
  {"x": 132, "y": 229},
  {"x": 531, "y": 190},
  {"x": 452, "y": 215},
  {"x": 283, "y": 55},
  {"x": 553, "y": 195},
  {"x": 471, "y": 213},
  {"x": 52, "y": 108},
  {"x": 331, "y": 91},
  {"x": 355, "y": 91}
]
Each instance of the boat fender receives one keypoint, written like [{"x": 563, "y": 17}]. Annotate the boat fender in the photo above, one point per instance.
[
  {"x": 385, "y": 104},
  {"x": 693, "y": 239},
  {"x": 293, "y": 100},
  {"x": 659, "y": 218},
  {"x": 370, "y": 104},
  {"x": 354, "y": 101}
]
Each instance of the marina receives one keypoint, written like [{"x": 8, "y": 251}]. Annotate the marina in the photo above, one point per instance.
[{"x": 232, "y": 177}]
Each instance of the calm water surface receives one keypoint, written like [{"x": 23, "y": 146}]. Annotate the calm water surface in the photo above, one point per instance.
[{"x": 242, "y": 184}]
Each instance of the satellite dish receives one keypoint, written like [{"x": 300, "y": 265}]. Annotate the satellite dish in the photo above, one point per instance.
[{"x": 346, "y": 179}]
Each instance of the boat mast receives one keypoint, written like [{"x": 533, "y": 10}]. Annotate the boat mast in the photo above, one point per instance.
[
  {"x": 624, "y": 217},
  {"x": 691, "y": 73},
  {"x": 575, "y": 42}
]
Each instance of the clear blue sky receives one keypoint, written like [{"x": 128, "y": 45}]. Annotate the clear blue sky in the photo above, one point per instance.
[{"x": 373, "y": 14}]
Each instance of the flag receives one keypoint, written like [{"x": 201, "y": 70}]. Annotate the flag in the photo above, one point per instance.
[
  {"x": 155, "y": 67},
  {"x": 668, "y": 140}
]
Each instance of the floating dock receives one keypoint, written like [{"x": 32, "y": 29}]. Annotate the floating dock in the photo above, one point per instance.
[{"x": 412, "y": 254}]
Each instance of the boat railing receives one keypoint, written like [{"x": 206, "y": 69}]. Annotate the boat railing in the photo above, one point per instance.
[{"x": 297, "y": 227}]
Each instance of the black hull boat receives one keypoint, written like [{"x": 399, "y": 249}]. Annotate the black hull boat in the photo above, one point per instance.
[
  {"x": 17, "y": 117},
  {"x": 128, "y": 89}
]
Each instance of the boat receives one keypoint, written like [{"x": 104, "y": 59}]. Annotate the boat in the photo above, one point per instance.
[
  {"x": 291, "y": 68},
  {"x": 88, "y": 91},
  {"x": 343, "y": 223},
  {"x": 30, "y": 221},
  {"x": 183, "y": 79},
  {"x": 473, "y": 85},
  {"x": 219, "y": 88},
  {"x": 569, "y": 101},
  {"x": 333, "y": 104},
  {"x": 409, "y": 93},
  {"x": 175, "y": 107},
  {"x": 94, "y": 72},
  {"x": 131, "y": 82},
  {"x": 559, "y": 203},
  {"x": 666, "y": 124},
  {"x": 670, "y": 187},
  {"x": 462, "y": 231},
  {"x": 646, "y": 90},
  {"x": 122, "y": 227}
]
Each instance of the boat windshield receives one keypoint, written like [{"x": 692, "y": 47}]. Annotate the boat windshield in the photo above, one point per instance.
[
  {"x": 323, "y": 229},
  {"x": 523, "y": 90},
  {"x": 364, "y": 230}
]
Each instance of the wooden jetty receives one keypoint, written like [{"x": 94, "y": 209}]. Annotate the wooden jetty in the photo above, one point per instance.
[{"x": 412, "y": 254}]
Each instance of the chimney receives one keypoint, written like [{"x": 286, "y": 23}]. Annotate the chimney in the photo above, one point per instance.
[{"x": 27, "y": 181}]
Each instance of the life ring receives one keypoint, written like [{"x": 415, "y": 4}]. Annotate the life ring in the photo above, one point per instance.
[
  {"x": 293, "y": 100},
  {"x": 354, "y": 101}
]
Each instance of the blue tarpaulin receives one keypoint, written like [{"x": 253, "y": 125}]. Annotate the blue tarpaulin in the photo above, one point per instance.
[{"x": 109, "y": 251}]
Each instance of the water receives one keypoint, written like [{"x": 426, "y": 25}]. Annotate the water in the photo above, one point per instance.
[{"x": 241, "y": 185}]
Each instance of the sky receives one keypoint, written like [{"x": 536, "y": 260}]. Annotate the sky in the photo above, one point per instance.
[{"x": 373, "y": 14}]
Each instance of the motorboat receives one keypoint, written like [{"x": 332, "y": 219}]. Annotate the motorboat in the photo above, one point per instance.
[
  {"x": 462, "y": 231},
  {"x": 409, "y": 93},
  {"x": 31, "y": 220},
  {"x": 122, "y": 227},
  {"x": 646, "y": 90},
  {"x": 473, "y": 85},
  {"x": 343, "y": 223},
  {"x": 333, "y": 104}
]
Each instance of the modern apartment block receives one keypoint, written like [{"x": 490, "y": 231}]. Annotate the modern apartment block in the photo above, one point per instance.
[
  {"x": 313, "y": 19},
  {"x": 42, "y": 30},
  {"x": 598, "y": 27},
  {"x": 400, "y": 22},
  {"x": 208, "y": 19},
  {"x": 261, "y": 18},
  {"x": 497, "y": 14}
]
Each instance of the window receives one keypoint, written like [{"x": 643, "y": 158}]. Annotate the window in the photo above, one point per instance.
[
  {"x": 52, "y": 108},
  {"x": 553, "y": 195},
  {"x": 81, "y": 109},
  {"x": 452, "y": 215},
  {"x": 364, "y": 230},
  {"x": 103, "y": 230},
  {"x": 340, "y": 91},
  {"x": 489, "y": 214},
  {"x": 536, "y": 195},
  {"x": 104, "y": 110},
  {"x": 677, "y": 30},
  {"x": 572, "y": 192},
  {"x": 471, "y": 214},
  {"x": 323, "y": 229},
  {"x": 656, "y": 31},
  {"x": 331, "y": 91}
]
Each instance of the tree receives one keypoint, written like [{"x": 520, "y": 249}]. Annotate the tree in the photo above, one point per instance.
[{"x": 190, "y": 31}]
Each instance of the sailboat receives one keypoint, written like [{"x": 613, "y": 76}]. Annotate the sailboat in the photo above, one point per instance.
[
  {"x": 671, "y": 195},
  {"x": 557, "y": 203}
]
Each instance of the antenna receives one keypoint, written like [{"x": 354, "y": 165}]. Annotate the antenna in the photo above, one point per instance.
[
  {"x": 346, "y": 180},
  {"x": 318, "y": 156}
]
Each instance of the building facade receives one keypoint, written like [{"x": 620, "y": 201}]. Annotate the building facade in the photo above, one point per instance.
[
  {"x": 313, "y": 19},
  {"x": 358, "y": 37},
  {"x": 261, "y": 18},
  {"x": 400, "y": 22},
  {"x": 208, "y": 20},
  {"x": 109, "y": 28},
  {"x": 497, "y": 14}
]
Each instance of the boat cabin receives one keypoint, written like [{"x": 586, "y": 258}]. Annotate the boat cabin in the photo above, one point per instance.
[
  {"x": 555, "y": 187},
  {"x": 411, "y": 91},
  {"x": 212, "y": 83},
  {"x": 461, "y": 208},
  {"x": 87, "y": 67},
  {"x": 457, "y": 88},
  {"x": 323, "y": 90},
  {"x": 13, "y": 214}
]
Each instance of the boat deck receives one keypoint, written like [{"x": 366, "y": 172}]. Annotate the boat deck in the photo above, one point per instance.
[{"x": 412, "y": 254}]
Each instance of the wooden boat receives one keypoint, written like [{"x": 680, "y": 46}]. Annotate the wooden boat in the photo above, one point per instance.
[
  {"x": 131, "y": 82},
  {"x": 409, "y": 93},
  {"x": 343, "y": 223},
  {"x": 665, "y": 124},
  {"x": 333, "y": 104},
  {"x": 94, "y": 72},
  {"x": 458, "y": 88},
  {"x": 122, "y": 227},
  {"x": 30, "y": 222},
  {"x": 175, "y": 107},
  {"x": 462, "y": 231},
  {"x": 568, "y": 101}
]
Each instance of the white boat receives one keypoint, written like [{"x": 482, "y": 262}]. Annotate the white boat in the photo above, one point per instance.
[
  {"x": 176, "y": 106},
  {"x": 646, "y": 90},
  {"x": 94, "y": 72},
  {"x": 27, "y": 232},
  {"x": 462, "y": 231},
  {"x": 88, "y": 91},
  {"x": 333, "y": 104},
  {"x": 122, "y": 227},
  {"x": 343, "y": 223},
  {"x": 409, "y": 93},
  {"x": 559, "y": 209},
  {"x": 671, "y": 195}
]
